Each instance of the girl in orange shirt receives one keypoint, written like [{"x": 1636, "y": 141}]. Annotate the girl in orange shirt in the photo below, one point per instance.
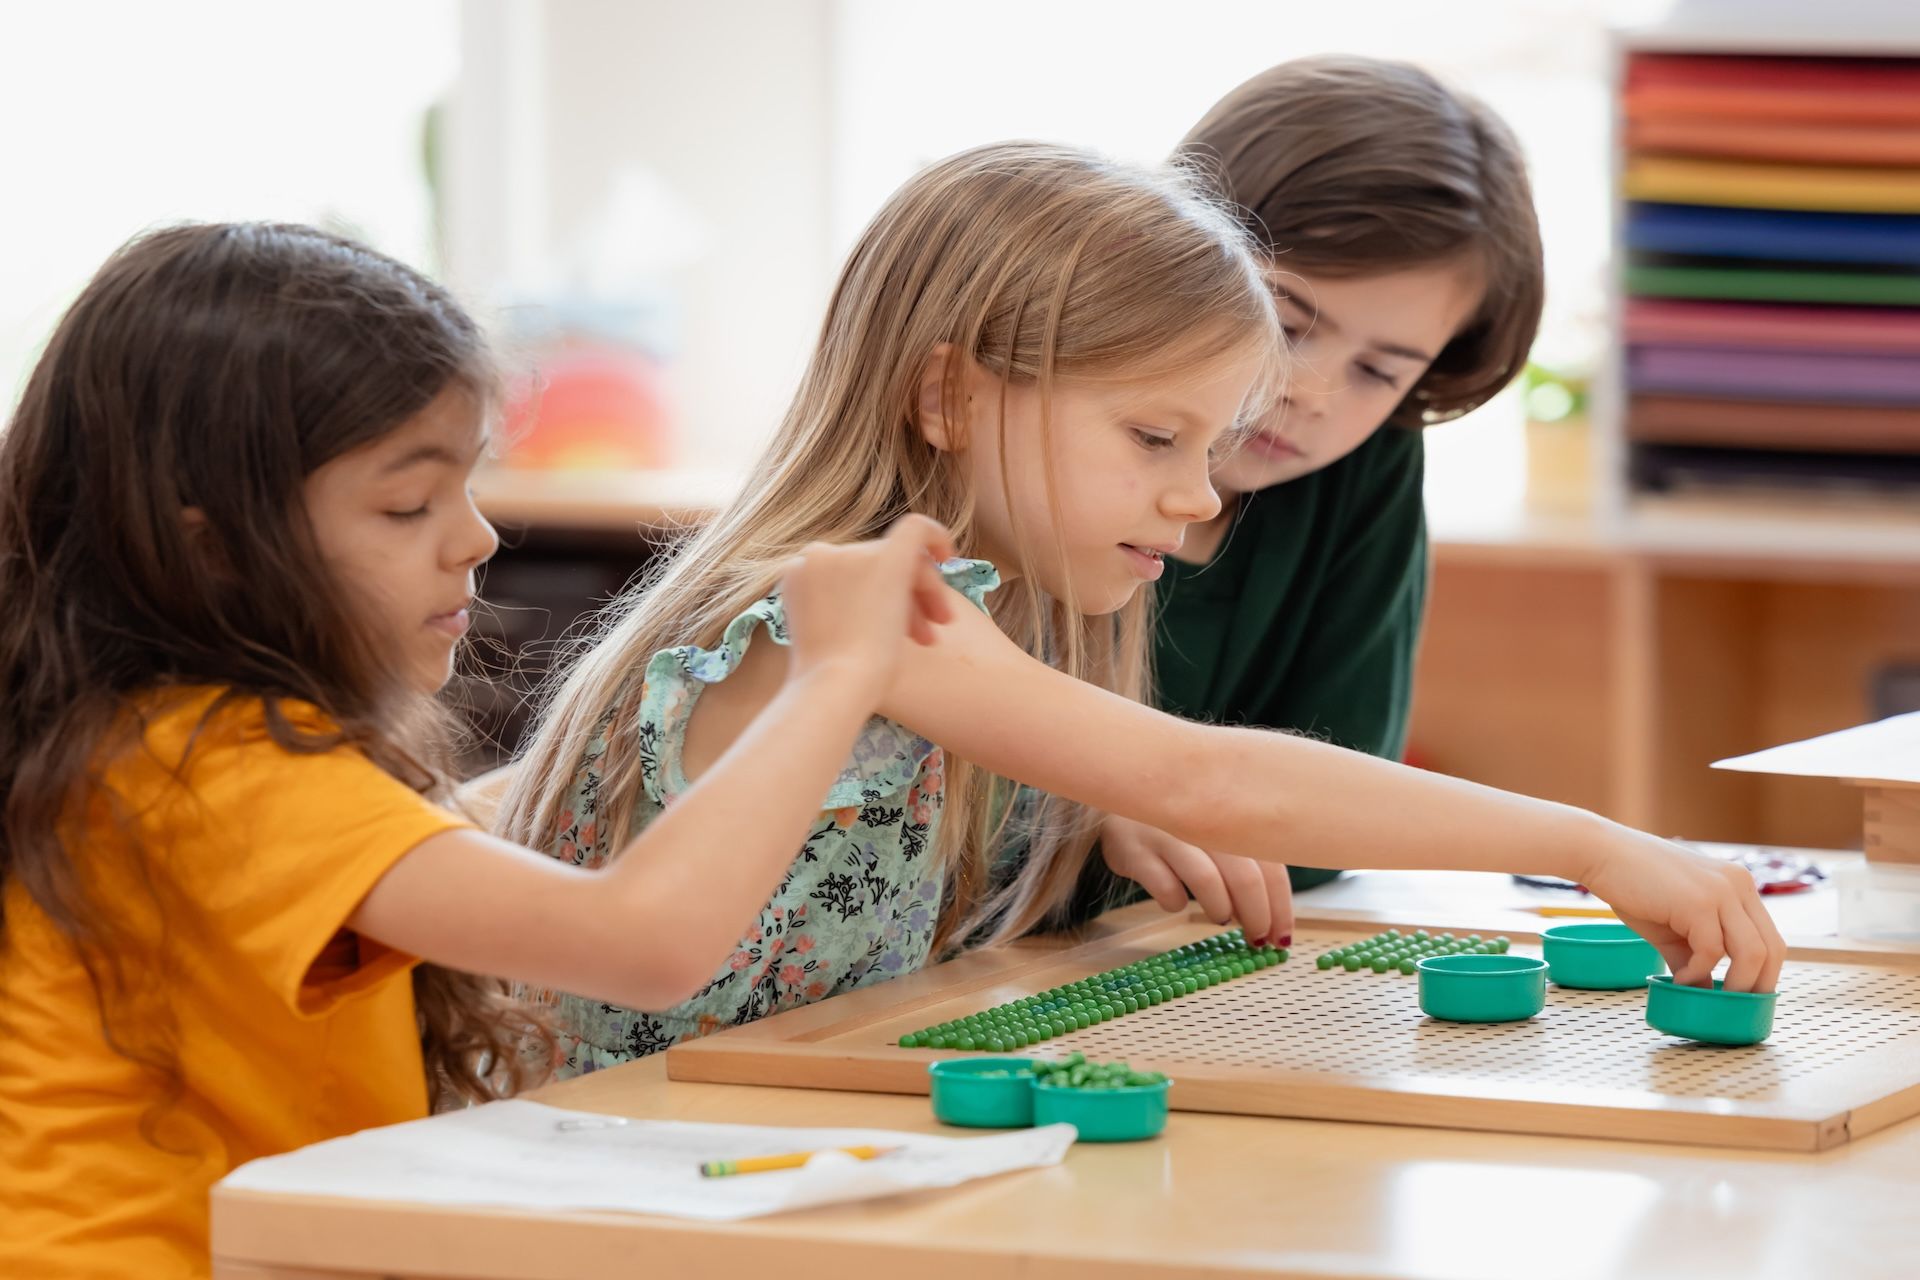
[{"x": 237, "y": 552}]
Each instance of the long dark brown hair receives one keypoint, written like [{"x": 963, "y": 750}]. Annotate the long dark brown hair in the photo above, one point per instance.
[
  {"x": 211, "y": 369},
  {"x": 1351, "y": 166}
]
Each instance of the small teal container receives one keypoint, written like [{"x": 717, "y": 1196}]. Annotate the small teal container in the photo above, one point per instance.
[
  {"x": 983, "y": 1093},
  {"x": 1481, "y": 988},
  {"x": 1716, "y": 1016},
  {"x": 1599, "y": 956},
  {"x": 1104, "y": 1115}
]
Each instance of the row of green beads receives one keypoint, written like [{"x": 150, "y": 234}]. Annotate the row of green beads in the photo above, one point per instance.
[
  {"x": 1393, "y": 950},
  {"x": 1100, "y": 998}
]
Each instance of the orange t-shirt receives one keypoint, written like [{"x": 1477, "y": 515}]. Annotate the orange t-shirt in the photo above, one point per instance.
[{"x": 282, "y": 1030}]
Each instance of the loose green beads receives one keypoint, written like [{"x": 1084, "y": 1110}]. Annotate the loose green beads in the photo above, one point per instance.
[
  {"x": 1395, "y": 952},
  {"x": 1075, "y": 1072},
  {"x": 1076, "y": 1006}
]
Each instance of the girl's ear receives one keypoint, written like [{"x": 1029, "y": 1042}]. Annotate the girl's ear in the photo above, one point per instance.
[{"x": 938, "y": 423}]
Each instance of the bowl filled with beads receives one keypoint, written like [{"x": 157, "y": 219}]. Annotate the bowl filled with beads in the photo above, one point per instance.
[{"x": 1105, "y": 1101}]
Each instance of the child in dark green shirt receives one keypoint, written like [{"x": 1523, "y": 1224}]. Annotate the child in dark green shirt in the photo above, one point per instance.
[{"x": 1405, "y": 254}]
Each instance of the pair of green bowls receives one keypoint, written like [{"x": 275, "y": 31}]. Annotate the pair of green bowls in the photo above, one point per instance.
[
  {"x": 993, "y": 1093},
  {"x": 1593, "y": 957}
]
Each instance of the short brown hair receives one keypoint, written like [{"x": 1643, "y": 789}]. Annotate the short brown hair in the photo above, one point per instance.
[{"x": 1354, "y": 166}]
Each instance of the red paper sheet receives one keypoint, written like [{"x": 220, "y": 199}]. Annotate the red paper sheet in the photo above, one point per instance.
[
  {"x": 1737, "y": 324},
  {"x": 1790, "y": 74}
]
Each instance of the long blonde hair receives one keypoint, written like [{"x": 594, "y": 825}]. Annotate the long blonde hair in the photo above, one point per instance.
[{"x": 1039, "y": 262}]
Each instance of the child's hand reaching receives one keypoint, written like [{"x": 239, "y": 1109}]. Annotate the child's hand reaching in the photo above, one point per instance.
[
  {"x": 1695, "y": 909},
  {"x": 1228, "y": 888},
  {"x": 848, "y": 607}
]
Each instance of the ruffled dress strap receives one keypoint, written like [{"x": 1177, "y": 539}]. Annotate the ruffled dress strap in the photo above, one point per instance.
[{"x": 886, "y": 756}]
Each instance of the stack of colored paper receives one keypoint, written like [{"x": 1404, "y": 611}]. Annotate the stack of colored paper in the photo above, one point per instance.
[{"x": 1772, "y": 276}]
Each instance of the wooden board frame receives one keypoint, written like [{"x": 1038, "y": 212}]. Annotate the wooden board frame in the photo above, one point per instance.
[{"x": 847, "y": 1043}]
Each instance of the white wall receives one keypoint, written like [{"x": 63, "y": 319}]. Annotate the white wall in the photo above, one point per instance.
[
  {"x": 120, "y": 115},
  {"x": 720, "y": 113}
]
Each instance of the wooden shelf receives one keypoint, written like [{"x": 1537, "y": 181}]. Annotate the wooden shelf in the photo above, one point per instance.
[
  {"x": 1840, "y": 542},
  {"x": 607, "y": 501},
  {"x": 1850, "y": 539}
]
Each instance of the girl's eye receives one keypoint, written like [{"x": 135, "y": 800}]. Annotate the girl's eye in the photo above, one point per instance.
[
  {"x": 415, "y": 514},
  {"x": 1375, "y": 375},
  {"x": 1152, "y": 441}
]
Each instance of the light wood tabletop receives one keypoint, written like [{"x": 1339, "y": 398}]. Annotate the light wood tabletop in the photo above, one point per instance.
[{"x": 1216, "y": 1195}]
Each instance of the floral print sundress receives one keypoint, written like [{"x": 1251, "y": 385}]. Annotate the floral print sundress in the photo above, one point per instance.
[{"x": 859, "y": 903}]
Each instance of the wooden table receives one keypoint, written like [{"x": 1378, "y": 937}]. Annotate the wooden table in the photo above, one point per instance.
[{"x": 1216, "y": 1196}]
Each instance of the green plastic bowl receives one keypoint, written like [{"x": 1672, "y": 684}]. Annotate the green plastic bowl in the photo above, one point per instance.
[
  {"x": 1104, "y": 1115},
  {"x": 1599, "y": 957},
  {"x": 964, "y": 1094},
  {"x": 1718, "y": 1016},
  {"x": 1480, "y": 988}
]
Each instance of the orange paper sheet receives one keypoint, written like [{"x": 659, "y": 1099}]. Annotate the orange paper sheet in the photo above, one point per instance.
[{"x": 1773, "y": 140}]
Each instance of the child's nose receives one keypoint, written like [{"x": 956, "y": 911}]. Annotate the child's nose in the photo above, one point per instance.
[
  {"x": 1308, "y": 390},
  {"x": 477, "y": 540},
  {"x": 1194, "y": 500}
]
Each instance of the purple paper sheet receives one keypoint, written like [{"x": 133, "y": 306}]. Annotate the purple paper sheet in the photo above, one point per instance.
[{"x": 1760, "y": 375}]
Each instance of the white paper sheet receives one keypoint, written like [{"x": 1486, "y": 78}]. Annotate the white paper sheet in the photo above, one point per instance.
[
  {"x": 1884, "y": 751},
  {"x": 525, "y": 1155}
]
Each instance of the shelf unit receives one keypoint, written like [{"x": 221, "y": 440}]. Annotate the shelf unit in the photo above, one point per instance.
[{"x": 1877, "y": 38}]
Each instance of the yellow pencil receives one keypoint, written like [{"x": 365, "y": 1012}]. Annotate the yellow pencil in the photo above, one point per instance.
[
  {"x": 761, "y": 1164},
  {"x": 1600, "y": 913}
]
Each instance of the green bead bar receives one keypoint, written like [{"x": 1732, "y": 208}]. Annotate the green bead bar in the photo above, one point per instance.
[
  {"x": 1392, "y": 951},
  {"x": 1090, "y": 1001}
]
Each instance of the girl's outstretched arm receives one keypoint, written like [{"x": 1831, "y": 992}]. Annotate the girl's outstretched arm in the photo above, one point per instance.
[
  {"x": 648, "y": 929},
  {"x": 1281, "y": 797}
]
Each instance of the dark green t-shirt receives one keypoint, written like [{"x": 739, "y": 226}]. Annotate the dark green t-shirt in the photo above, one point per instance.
[{"x": 1305, "y": 619}]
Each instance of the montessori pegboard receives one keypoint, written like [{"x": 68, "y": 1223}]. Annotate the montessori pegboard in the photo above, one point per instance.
[{"x": 1295, "y": 1040}]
